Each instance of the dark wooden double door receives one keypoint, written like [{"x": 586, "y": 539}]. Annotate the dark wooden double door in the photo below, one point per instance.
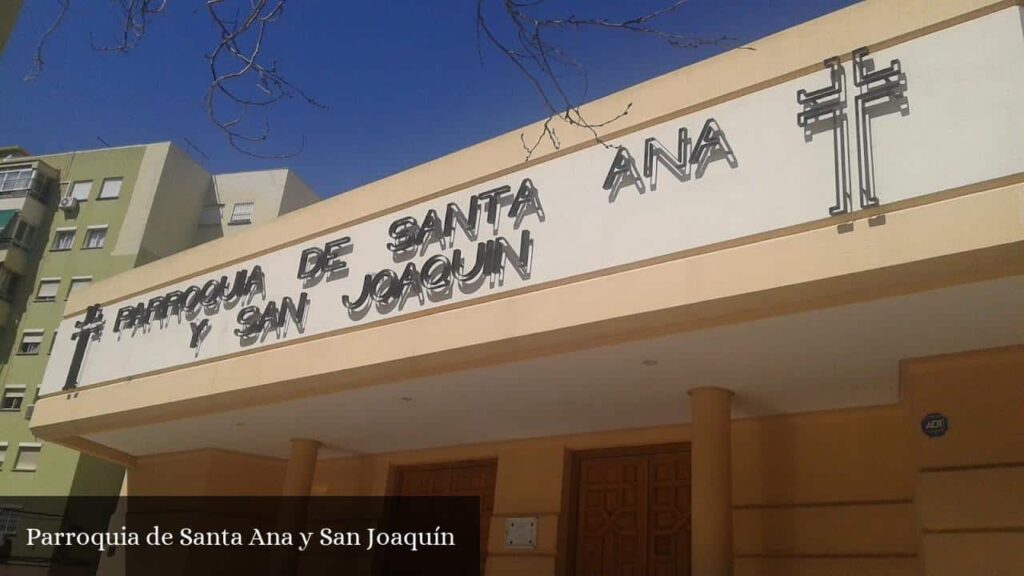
[
  {"x": 632, "y": 512},
  {"x": 459, "y": 479}
]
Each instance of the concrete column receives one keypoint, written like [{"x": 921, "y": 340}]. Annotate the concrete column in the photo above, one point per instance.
[
  {"x": 711, "y": 482},
  {"x": 298, "y": 482},
  {"x": 298, "y": 477}
]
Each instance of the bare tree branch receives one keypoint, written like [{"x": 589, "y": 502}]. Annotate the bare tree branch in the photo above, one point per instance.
[
  {"x": 241, "y": 79},
  {"x": 543, "y": 63},
  {"x": 244, "y": 81},
  {"x": 37, "y": 60},
  {"x": 135, "y": 15}
]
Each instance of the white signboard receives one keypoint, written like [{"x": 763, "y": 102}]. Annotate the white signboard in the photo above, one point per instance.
[{"x": 928, "y": 115}]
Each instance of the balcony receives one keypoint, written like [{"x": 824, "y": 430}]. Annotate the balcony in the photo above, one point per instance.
[
  {"x": 13, "y": 255},
  {"x": 15, "y": 239},
  {"x": 5, "y": 309},
  {"x": 22, "y": 182},
  {"x": 8, "y": 283}
]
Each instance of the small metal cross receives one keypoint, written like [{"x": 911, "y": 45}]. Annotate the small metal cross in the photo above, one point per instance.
[{"x": 87, "y": 328}]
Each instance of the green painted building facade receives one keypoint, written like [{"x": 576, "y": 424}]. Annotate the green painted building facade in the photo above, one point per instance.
[
  {"x": 8, "y": 15},
  {"x": 75, "y": 218}
]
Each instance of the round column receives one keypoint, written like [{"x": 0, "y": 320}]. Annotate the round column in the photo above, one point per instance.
[
  {"x": 711, "y": 482},
  {"x": 298, "y": 476},
  {"x": 298, "y": 483}
]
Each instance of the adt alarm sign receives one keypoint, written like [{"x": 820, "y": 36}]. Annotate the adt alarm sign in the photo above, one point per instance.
[{"x": 935, "y": 425}]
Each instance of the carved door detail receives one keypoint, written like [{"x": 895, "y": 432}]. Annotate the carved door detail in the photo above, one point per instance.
[{"x": 633, "y": 514}]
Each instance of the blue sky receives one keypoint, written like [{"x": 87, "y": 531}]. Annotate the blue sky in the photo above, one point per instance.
[{"x": 402, "y": 79}]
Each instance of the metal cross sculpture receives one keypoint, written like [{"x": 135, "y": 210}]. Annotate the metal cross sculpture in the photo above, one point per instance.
[
  {"x": 876, "y": 88},
  {"x": 86, "y": 329},
  {"x": 830, "y": 102},
  {"x": 883, "y": 84}
]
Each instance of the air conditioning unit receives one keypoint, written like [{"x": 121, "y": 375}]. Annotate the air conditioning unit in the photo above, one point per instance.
[
  {"x": 29, "y": 411},
  {"x": 69, "y": 204}
]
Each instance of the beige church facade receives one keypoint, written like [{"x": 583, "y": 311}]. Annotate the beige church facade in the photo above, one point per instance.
[{"x": 771, "y": 324}]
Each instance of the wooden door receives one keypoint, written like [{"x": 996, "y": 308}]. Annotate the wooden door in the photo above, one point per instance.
[
  {"x": 632, "y": 512},
  {"x": 458, "y": 479}
]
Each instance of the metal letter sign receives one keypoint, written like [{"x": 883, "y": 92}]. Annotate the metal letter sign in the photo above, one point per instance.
[
  {"x": 89, "y": 327},
  {"x": 884, "y": 88},
  {"x": 711, "y": 145}
]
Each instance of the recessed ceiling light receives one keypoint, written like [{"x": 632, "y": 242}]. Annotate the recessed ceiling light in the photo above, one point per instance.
[
  {"x": 650, "y": 362},
  {"x": 406, "y": 399}
]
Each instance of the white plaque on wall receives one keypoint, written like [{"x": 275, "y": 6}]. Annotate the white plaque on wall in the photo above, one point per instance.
[{"x": 521, "y": 532}]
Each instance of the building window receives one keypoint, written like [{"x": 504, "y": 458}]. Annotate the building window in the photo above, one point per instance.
[
  {"x": 48, "y": 288},
  {"x": 28, "y": 457},
  {"x": 3, "y": 458},
  {"x": 30, "y": 342},
  {"x": 13, "y": 180},
  {"x": 95, "y": 238},
  {"x": 63, "y": 239},
  {"x": 80, "y": 190},
  {"x": 8, "y": 514},
  {"x": 24, "y": 233},
  {"x": 241, "y": 213},
  {"x": 12, "y": 398},
  {"x": 77, "y": 283},
  {"x": 211, "y": 215},
  {"x": 111, "y": 189}
]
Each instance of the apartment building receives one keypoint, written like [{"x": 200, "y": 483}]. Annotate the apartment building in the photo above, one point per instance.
[
  {"x": 8, "y": 15},
  {"x": 71, "y": 219}
]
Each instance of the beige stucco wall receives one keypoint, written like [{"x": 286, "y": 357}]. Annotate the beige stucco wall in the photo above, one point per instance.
[
  {"x": 178, "y": 200},
  {"x": 842, "y": 492},
  {"x": 171, "y": 190},
  {"x": 265, "y": 188},
  {"x": 129, "y": 240},
  {"x": 970, "y": 485},
  {"x": 982, "y": 238},
  {"x": 798, "y": 268},
  {"x": 297, "y": 194},
  {"x": 273, "y": 192},
  {"x": 805, "y": 488}
]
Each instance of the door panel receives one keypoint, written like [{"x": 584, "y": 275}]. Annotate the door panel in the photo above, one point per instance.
[
  {"x": 611, "y": 516},
  {"x": 668, "y": 551},
  {"x": 470, "y": 479},
  {"x": 633, "y": 514}
]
